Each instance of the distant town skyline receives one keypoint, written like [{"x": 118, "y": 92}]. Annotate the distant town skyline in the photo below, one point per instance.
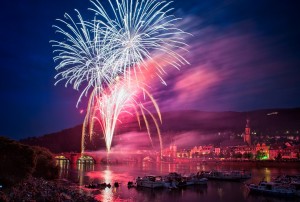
[{"x": 241, "y": 58}]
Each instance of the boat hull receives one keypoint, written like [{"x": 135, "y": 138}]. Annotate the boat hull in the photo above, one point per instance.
[
  {"x": 150, "y": 184},
  {"x": 271, "y": 191}
]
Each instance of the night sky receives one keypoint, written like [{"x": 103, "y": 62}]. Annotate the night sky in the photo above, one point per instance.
[{"x": 244, "y": 55}]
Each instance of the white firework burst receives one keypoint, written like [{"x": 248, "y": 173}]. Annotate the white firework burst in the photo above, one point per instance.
[
  {"x": 138, "y": 30},
  {"x": 83, "y": 55},
  {"x": 122, "y": 42}
]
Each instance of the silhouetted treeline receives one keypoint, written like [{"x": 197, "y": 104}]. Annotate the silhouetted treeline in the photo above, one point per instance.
[
  {"x": 68, "y": 140},
  {"x": 19, "y": 161}
]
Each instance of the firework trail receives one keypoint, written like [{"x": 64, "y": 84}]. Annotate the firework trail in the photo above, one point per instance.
[
  {"x": 119, "y": 43},
  {"x": 121, "y": 97}
]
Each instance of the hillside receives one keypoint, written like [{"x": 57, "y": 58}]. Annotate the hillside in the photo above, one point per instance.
[{"x": 208, "y": 124}]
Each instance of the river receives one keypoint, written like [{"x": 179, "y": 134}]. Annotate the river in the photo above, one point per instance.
[{"x": 215, "y": 191}]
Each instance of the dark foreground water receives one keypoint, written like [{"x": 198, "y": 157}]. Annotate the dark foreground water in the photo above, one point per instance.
[{"x": 214, "y": 190}]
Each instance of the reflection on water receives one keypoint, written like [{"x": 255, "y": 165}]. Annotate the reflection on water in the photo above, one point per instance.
[
  {"x": 82, "y": 169},
  {"x": 214, "y": 191},
  {"x": 64, "y": 168},
  {"x": 107, "y": 192},
  {"x": 220, "y": 192},
  {"x": 267, "y": 175}
]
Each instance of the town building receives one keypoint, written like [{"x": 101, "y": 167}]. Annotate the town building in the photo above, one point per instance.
[{"x": 247, "y": 136}]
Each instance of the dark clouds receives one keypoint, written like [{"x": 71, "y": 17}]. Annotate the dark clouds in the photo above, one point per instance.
[{"x": 244, "y": 55}]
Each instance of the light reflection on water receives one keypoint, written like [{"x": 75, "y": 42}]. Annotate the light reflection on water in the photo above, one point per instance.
[
  {"x": 214, "y": 191},
  {"x": 64, "y": 167},
  {"x": 107, "y": 192}
]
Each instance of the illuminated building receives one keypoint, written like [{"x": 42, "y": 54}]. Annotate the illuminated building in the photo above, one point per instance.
[{"x": 247, "y": 136}]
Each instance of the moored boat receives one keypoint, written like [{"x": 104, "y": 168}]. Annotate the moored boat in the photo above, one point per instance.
[
  {"x": 227, "y": 175},
  {"x": 197, "y": 179},
  {"x": 150, "y": 181},
  {"x": 271, "y": 188},
  {"x": 174, "y": 180}
]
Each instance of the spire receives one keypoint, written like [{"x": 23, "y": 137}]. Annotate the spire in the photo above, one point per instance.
[
  {"x": 247, "y": 137},
  {"x": 247, "y": 123}
]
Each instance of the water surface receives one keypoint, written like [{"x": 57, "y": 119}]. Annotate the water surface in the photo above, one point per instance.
[{"x": 83, "y": 174}]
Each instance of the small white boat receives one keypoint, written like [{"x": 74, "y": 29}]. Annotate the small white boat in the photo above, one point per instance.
[
  {"x": 150, "y": 181},
  {"x": 271, "y": 188}
]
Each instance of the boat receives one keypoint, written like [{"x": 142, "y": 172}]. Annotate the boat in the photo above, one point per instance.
[
  {"x": 272, "y": 188},
  {"x": 150, "y": 181},
  {"x": 116, "y": 184},
  {"x": 175, "y": 180},
  {"x": 288, "y": 179},
  {"x": 173, "y": 176},
  {"x": 171, "y": 184},
  {"x": 197, "y": 179},
  {"x": 97, "y": 186},
  {"x": 227, "y": 175},
  {"x": 296, "y": 184},
  {"x": 91, "y": 186},
  {"x": 172, "y": 180},
  {"x": 130, "y": 184}
]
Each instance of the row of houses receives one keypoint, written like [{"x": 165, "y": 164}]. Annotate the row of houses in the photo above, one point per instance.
[
  {"x": 238, "y": 148},
  {"x": 259, "y": 151}
]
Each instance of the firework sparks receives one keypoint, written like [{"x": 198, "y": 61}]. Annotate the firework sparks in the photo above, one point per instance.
[
  {"x": 121, "y": 97},
  {"x": 138, "y": 30},
  {"x": 83, "y": 56},
  {"x": 108, "y": 54}
]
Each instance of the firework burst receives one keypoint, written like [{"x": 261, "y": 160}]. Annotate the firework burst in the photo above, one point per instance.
[
  {"x": 121, "y": 97},
  {"x": 120, "y": 43},
  {"x": 83, "y": 56},
  {"x": 138, "y": 30}
]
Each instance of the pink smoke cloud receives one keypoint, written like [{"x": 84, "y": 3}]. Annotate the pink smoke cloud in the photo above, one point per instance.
[{"x": 228, "y": 70}]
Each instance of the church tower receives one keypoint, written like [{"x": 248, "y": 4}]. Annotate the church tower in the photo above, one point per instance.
[{"x": 247, "y": 137}]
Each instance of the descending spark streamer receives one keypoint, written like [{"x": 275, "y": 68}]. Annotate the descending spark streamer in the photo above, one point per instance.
[
  {"x": 121, "y": 97},
  {"x": 119, "y": 43}
]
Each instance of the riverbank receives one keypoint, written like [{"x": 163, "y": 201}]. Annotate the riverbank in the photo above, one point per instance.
[
  {"x": 266, "y": 163},
  {"x": 38, "y": 189},
  {"x": 252, "y": 163}
]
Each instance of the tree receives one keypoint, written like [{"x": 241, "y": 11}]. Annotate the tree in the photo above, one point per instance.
[
  {"x": 221, "y": 155},
  {"x": 19, "y": 161},
  {"x": 248, "y": 155},
  {"x": 238, "y": 155},
  {"x": 279, "y": 156},
  {"x": 45, "y": 164},
  {"x": 260, "y": 155}
]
